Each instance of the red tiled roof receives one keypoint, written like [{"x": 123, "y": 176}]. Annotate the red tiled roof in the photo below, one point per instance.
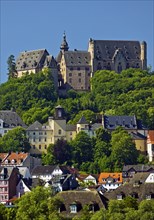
[
  {"x": 150, "y": 137},
  {"x": 17, "y": 157},
  {"x": 116, "y": 176}
]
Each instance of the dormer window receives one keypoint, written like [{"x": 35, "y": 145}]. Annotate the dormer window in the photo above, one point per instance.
[{"x": 73, "y": 208}]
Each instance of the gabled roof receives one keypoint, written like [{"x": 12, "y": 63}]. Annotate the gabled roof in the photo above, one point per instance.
[
  {"x": 77, "y": 58},
  {"x": 139, "y": 177},
  {"x": 104, "y": 177},
  {"x": 36, "y": 126},
  {"x": 82, "y": 121},
  {"x": 11, "y": 119},
  {"x": 43, "y": 170},
  {"x": 3, "y": 156},
  {"x": 138, "y": 168}
]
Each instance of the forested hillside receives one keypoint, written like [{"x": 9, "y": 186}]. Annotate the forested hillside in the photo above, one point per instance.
[{"x": 34, "y": 97}]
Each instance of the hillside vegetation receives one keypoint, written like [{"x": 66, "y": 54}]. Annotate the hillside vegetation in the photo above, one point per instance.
[{"x": 34, "y": 96}]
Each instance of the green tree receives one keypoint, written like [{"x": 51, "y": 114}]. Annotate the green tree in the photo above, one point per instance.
[
  {"x": 3, "y": 212},
  {"x": 124, "y": 151},
  {"x": 38, "y": 204},
  {"x": 11, "y": 67},
  {"x": 14, "y": 140},
  {"x": 82, "y": 148}
]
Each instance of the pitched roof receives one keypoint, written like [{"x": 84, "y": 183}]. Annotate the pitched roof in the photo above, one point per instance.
[
  {"x": 82, "y": 198},
  {"x": 106, "y": 49},
  {"x": 111, "y": 122},
  {"x": 15, "y": 158},
  {"x": 77, "y": 58},
  {"x": 3, "y": 156},
  {"x": 31, "y": 59},
  {"x": 150, "y": 137},
  {"x": 70, "y": 127},
  {"x": 137, "y": 136},
  {"x": 82, "y": 120},
  {"x": 139, "y": 177},
  {"x": 36, "y": 126},
  {"x": 11, "y": 119},
  {"x": 140, "y": 190},
  {"x": 104, "y": 177},
  {"x": 43, "y": 170},
  {"x": 138, "y": 168}
]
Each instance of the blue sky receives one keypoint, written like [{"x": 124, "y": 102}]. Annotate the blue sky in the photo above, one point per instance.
[{"x": 30, "y": 25}]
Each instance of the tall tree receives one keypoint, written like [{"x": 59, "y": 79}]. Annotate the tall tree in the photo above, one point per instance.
[{"x": 11, "y": 67}]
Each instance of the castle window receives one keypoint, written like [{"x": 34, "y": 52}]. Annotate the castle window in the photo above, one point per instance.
[
  {"x": 70, "y": 80},
  {"x": 70, "y": 74},
  {"x": 45, "y": 147},
  {"x": 39, "y": 139},
  {"x": 33, "y": 139},
  {"x": 39, "y": 147},
  {"x": 78, "y": 68},
  {"x": 33, "y": 133},
  {"x": 45, "y": 139},
  {"x": 33, "y": 146},
  {"x": 79, "y": 74},
  {"x": 87, "y": 68},
  {"x": 79, "y": 80}
]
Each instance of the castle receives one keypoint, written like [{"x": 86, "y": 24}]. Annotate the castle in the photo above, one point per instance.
[{"x": 73, "y": 69}]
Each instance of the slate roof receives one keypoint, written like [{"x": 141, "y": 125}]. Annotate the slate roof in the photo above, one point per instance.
[
  {"x": 31, "y": 59},
  {"x": 77, "y": 58},
  {"x": 139, "y": 177},
  {"x": 105, "y": 49},
  {"x": 70, "y": 127},
  {"x": 11, "y": 119},
  {"x": 82, "y": 121},
  {"x": 138, "y": 168},
  {"x": 50, "y": 62},
  {"x": 43, "y": 170},
  {"x": 36, "y": 126},
  {"x": 127, "y": 122}
]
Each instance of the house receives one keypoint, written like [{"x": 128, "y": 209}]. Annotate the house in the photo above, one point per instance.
[
  {"x": 150, "y": 145},
  {"x": 34, "y": 61},
  {"x": 22, "y": 187},
  {"x": 110, "y": 181},
  {"x": 19, "y": 159},
  {"x": 130, "y": 170},
  {"x": 141, "y": 187},
  {"x": 9, "y": 119},
  {"x": 9, "y": 177},
  {"x": 74, "y": 201},
  {"x": 59, "y": 177},
  {"x": 132, "y": 125},
  {"x": 89, "y": 179}
]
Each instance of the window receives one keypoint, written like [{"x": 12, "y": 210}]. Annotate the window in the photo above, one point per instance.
[
  {"x": 45, "y": 147},
  {"x": 39, "y": 139},
  {"x": 70, "y": 74},
  {"x": 71, "y": 133},
  {"x": 70, "y": 80},
  {"x": 45, "y": 139},
  {"x": 79, "y": 80},
  {"x": 79, "y": 74},
  {"x": 33, "y": 133},
  {"x": 45, "y": 133},
  {"x": 78, "y": 68},
  {"x": 73, "y": 208},
  {"x": 59, "y": 131},
  {"x": 33, "y": 146},
  {"x": 39, "y": 147},
  {"x": 33, "y": 139}
]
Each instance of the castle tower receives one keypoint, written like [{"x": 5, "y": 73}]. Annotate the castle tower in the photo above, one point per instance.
[
  {"x": 64, "y": 45},
  {"x": 144, "y": 55}
]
